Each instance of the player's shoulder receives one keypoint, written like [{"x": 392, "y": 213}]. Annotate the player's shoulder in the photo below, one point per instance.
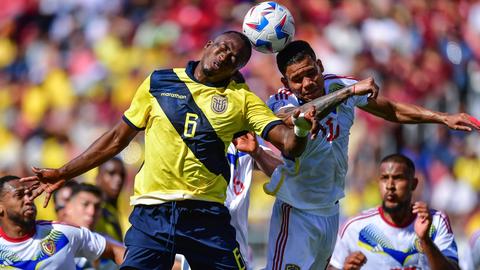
[
  {"x": 58, "y": 225},
  {"x": 359, "y": 219},
  {"x": 335, "y": 82},
  {"x": 162, "y": 74},
  {"x": 441, "y": 218},
  {"x": 282, "y": 93},
  {"x": 474, "y": 239},
  {"x": 59, "y": 228},
  {"x": 333, "y": 77},
  {"x": 283, "y": 97}
]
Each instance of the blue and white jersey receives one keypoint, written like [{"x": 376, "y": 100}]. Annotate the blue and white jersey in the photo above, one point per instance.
[
  {"x": 315, "y": 181},
  {"x": 387, "y": 246},
  {"x": 238, "y": 195},
  {"x": 475, "y": 248},
  {"x": 52, "y": 246}
]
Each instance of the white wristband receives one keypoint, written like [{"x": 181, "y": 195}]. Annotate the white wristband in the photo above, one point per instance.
[{"x": 301, "y": 126}]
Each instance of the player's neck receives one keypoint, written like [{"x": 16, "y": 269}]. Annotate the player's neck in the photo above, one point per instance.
[
  {"x": 201, "y": 77},
  {"x": 400, "y": 217},
  {"x": 14, "y": 232}
]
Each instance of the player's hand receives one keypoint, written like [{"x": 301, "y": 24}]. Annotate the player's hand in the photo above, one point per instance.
[
  {"x": 44, "y": 180},
  {"x": 246, "y": 143},
  {"x": 354, "y": 261},
  {"x": 423, "y": 220},
  {"x": 364, "y": 87},
  {"x": 306, "y": 121},
  {"x": 462, "y": 121}
]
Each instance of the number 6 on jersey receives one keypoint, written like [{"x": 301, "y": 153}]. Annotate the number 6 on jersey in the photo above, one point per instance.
[{"x": 190, "y": 125}]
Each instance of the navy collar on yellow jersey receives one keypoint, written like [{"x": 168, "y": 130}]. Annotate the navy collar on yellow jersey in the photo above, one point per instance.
[{"x": 190, "y": 70}]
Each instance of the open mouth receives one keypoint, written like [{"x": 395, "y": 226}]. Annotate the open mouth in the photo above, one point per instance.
[{"x": 390, "y": 197}]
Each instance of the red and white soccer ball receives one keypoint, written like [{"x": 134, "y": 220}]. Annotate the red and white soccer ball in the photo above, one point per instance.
[{"x": 269, "y": 26}]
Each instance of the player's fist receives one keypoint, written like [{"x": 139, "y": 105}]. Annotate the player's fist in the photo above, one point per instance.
[
  {"x": 354, "y": 261},
  {"x": 246, "y": 143},
  {"x": 306, "y": 122},
  {"x": 364, "y": 87}
]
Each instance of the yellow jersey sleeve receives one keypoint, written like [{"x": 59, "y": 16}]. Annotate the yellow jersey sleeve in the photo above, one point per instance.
[
  {"x": 260, "y": 118},
  {"x": 136, "y": 116}
]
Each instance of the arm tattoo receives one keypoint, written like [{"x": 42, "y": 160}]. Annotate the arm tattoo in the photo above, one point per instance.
[{"x": 325, "y": 104}]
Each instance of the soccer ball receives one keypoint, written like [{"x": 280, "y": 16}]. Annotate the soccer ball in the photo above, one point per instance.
[{"x": 269, "y": 26}]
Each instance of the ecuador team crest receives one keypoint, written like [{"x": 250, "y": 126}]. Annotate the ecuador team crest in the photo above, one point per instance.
[
  {"x": 48, "y": 246},
  {"x": 219, "y": 104}
]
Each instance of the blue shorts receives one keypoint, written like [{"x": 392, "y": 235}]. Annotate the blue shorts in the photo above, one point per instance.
[{"x": 199, "y": 230}]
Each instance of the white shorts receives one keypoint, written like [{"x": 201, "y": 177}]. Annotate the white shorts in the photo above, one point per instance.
[{"x": 299, "y": 240}]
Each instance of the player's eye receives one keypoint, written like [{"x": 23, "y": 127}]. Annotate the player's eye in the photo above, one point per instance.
[
  {"x": 311, "y": 74},
  {"x": 223, "y": 46},
  {"x": 296, "y": 79}
]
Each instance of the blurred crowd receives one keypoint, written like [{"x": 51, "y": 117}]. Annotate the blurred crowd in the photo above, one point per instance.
[{"x": 69, "y": 68}]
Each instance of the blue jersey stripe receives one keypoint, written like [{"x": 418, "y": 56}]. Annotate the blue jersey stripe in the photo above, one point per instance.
[
  {"x": 176, "y": 101},
  {"x": 269, "y": 127}
]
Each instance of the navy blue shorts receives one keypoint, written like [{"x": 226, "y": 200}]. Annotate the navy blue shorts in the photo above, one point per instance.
[{"x": 199, "y": 230}]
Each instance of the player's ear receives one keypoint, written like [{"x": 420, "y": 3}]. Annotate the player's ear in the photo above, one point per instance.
[
  {"x": 285, "y": 82},
  {"x": 2, "y": 210},
  {"x": 320, "y": 65},
  {"x": 209, "y": 43},
  {"x": 414, "y": 183}
]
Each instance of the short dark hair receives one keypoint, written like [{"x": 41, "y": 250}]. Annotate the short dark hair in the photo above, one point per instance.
[
  {"x": 294, "y": 52},
  {"x": 248, "y": 49},
  {"x": 5, "y": 179},
  {"x": 399, "y": 158},
  {"x": 84, "y": 187}
]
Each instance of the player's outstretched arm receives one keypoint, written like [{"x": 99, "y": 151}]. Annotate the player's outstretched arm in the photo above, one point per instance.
[
  {"x": 412, "y": 114},
  {"x": 114, "y": 251},
  {"x": 436, "y": 259},
  {"x": 325, "y": 104},
  {"x": 104, "y": 148}
]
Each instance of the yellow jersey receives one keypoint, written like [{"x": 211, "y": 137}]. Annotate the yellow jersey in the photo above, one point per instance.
[
  {"x": 188, "y": 127},
  {"x": 109, "y": 223}
]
